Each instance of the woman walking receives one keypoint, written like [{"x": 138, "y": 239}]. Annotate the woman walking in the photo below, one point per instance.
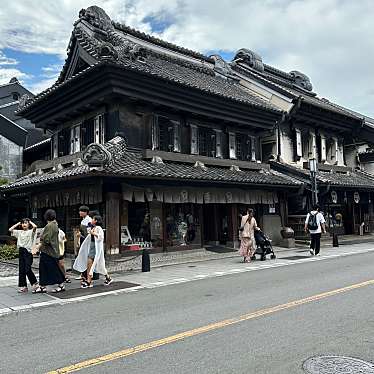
[
  {"x": 25, "y": 241},
  {"x": 49, "y": 269},
  {"x": 247, "y": 236},
  {"x": 91, "y": 254}
]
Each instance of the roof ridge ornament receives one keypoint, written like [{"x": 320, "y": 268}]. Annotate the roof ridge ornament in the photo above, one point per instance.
[
  {"x": 250, "y": 58},
  {"x": 157, "y": 160},
  {"x": 222, "y": 68},
  {"x": 235, "y": 168},
  {"x": 96, "y": 17},
  {"x": 24, "y": 101},
  {"x": 96, "y": 155},
  {"x": 199, "y": 164},
  {"x": 301, "y": 80}
]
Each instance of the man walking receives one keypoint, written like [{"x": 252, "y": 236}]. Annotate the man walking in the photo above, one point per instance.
[{"x": 315, "y": 224}]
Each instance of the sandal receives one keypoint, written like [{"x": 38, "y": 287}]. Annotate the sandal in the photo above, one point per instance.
[
  {"x": 59, "y": 289},
  {"x": 39, "y": 289},
  {"x": 86, "y": 285},
  {"x": 67, "y": 280}
]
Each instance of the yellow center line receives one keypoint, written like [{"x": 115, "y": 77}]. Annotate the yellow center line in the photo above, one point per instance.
[{"x": 204, "y": 329}]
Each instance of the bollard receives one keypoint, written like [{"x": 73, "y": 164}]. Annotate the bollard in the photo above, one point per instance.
[
  {"x": 146, "y": 261},
  {"x": 335, "y": 241}
]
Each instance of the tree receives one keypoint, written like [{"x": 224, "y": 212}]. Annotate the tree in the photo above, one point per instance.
[{"x": 3, "y": 180}]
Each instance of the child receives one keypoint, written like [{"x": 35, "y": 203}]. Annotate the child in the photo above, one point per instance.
[
  {"x": 91, "y": 254},
  {"x": 25, "y": 241}
]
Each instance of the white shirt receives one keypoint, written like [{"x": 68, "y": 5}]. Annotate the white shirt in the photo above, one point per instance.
[
  {"x": 61, "y": 242},
  {"x": 320, "y": 219},
  {"x": 25, "y": 238}
]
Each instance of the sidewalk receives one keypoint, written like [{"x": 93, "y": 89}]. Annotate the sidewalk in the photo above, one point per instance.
[{"x": 133, "y": 281}]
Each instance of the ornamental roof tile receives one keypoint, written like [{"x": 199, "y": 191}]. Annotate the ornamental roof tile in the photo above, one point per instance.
[{"x": 124, "y": 162}]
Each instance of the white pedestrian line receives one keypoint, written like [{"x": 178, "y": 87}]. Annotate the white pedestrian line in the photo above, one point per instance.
[{"x": 172, "y": 281}]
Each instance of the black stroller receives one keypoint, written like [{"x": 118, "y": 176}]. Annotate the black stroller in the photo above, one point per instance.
[{"x": 263, "y": 246}]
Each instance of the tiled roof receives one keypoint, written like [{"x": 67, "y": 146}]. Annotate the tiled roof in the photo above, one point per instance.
[
  {"x": 290, "y": 89},
  {"x": 348, "y": 179},
  {"x": 116, "y": 48},
  {"x": 125, "y": 162}
]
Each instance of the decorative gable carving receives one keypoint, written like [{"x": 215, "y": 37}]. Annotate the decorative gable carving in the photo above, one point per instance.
[{"x": 96, "y": 155}]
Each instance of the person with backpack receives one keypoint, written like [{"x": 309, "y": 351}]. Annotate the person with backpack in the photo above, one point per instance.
[{"x": 315, "y": 224}]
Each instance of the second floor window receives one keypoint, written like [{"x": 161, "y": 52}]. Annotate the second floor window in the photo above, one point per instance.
[
  {"x": 166, "y": 134},
  {"x": 206, "y": 141},
  {"x": 78, "y": 137},
  {"x": 242, "y": 147},
  {"x": 75, "y": 139}
]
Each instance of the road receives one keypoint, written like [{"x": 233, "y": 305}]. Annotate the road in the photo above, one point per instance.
[{"x": 276, "y": 340}]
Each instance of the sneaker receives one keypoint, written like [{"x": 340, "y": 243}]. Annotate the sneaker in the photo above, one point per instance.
[
  {"x": 312, "y": 252},
  {"x": 23, "y": 290},
  {"x": 108, "y": 281},
  {"x": 318, "y": 254}
]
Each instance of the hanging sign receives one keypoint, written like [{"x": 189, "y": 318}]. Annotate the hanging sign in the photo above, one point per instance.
[
  {"x": 356, "y": 197},
  {"x": 334, "y": 197}
]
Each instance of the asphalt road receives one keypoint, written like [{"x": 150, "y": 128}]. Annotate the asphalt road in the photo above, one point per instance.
[{"x": 42, "y": 340}]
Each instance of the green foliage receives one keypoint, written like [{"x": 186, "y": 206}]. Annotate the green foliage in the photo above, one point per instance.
[
  {"x": 8, "y": 252},
  {"x": 3, "y": 180}
]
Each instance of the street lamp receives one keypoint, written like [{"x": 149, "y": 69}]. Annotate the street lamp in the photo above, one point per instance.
[{"x": 313, "y": 168}]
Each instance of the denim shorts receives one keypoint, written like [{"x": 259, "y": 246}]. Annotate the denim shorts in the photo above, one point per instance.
[{"x": 92, "y": 251}]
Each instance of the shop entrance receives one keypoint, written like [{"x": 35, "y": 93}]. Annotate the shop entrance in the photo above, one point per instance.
[{"x": 216, "y": 223}]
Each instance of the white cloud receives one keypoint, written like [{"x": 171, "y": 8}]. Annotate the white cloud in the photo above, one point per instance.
[
  {"x": 332, "y": 41},
  {"x": 4, "y": 60},
  {"x": 7, "y": 74}
]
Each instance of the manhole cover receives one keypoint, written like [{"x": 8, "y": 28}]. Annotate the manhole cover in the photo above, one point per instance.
[{"x": 337, "y": 364}]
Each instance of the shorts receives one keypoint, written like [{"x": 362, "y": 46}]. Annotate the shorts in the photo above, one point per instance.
[{"x": 92, "y": 250}]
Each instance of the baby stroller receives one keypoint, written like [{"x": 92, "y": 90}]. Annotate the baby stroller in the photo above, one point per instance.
[{"x": 263, "y": 246}]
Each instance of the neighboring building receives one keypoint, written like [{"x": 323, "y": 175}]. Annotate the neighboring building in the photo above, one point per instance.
[
  {"x": 313, "y": 128},
  {"x": 16, "y": 135},
  {"x": 159, "y": 139}
]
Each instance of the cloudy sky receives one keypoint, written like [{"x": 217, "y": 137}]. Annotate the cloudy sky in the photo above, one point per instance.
[{"x": 332, "y": 41}]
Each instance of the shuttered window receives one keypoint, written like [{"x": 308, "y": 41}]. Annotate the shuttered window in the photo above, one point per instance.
[
  {"x": 55, "y": 145},
  {"x": 166, "y": 134},
  {"x": 232, "y": 145},
  {"x": 99, "y": 129},
  {"x": 299, "y": 144},
  {"x": 177, "y": 136},
  {"x": 218, "y": 140},
  {"x": 75, "y": 139},
  {"x": 194, "y": 140}
]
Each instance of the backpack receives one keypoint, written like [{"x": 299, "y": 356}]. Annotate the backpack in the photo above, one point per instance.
[{"x": 312, "y": 222}]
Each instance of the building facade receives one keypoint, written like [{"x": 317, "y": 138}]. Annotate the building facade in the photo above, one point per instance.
[{"x": 164, "y": 142}]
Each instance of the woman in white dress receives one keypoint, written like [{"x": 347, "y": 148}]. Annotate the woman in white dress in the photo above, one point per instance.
[{"x": 91, "y": 254}]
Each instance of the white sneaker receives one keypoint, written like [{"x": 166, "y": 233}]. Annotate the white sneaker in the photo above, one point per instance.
[
  {"x": 318, "y": 254},
  {"x": 312, "y": 252}
]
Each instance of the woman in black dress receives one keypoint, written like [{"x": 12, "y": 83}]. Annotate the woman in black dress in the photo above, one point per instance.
[{"x": 49, "y": 270}]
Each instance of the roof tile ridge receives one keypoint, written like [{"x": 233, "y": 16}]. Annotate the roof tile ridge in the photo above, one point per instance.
[
  {"x": 182, "y": 62},
  {"x": 160, "y": 42}
]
